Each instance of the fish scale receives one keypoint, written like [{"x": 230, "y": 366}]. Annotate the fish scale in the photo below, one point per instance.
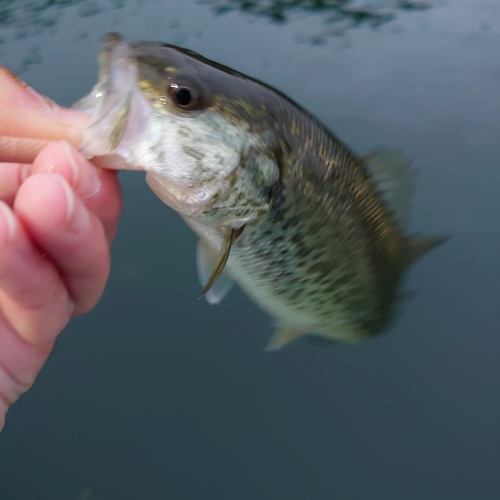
[{"x": 316, "y": 235}]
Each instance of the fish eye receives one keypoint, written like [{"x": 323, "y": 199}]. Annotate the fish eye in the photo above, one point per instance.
[{"x": 185, "y": 96}]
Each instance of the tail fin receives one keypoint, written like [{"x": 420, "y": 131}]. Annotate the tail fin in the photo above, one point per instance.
[{"x": 418, "y": 246}]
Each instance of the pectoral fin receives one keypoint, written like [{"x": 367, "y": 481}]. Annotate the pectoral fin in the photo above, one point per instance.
[
  {"x": 206, "y": 260},
  {"x": 221, "y": 260}
]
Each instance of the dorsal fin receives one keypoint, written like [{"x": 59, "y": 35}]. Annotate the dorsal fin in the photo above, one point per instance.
[{"x": 394, "y": 179}]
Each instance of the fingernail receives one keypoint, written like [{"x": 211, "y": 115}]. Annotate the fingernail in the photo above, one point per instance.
[
  {"x": 10, "y": 221},
  {"x": 24, "y": 172},
  {"x": 77, "y": 216},
  {"x": 87, "y": 186},
  {"x": 72, "y": 163}
]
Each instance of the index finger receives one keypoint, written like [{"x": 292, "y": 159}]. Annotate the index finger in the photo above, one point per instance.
[{"x": 29, "y": 120}]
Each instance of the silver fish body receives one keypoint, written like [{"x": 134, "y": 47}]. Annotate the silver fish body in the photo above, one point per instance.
[{"x": 313, "y": 233}]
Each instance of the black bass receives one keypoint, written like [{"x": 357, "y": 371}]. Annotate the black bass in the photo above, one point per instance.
[{"x": 313, "y": 233}]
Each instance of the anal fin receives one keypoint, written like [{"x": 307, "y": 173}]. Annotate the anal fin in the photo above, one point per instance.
[
  {"x": 320, "y": 341},
  {"x": 283, "y": 336}
]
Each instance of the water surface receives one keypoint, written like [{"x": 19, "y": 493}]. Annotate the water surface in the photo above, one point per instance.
[{"x": 157, "y": 395}]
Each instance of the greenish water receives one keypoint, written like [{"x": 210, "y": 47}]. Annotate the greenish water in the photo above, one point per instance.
[{"x": 155, "y": 395}]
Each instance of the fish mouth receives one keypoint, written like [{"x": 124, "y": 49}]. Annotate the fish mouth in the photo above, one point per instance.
[
  {"x": 121, "y": 119},
  {"x": 118, "y": 111}
]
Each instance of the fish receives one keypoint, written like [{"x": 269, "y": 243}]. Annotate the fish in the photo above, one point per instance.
[{"x": 316, "y": 235}]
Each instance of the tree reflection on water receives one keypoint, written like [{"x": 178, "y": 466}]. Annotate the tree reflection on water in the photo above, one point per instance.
[
  {"x": 337, "y": 15},
  {"x": 44, "y": 14},
  {"x": 355, "y": 12},
  {"x": 26, "y": 18}
]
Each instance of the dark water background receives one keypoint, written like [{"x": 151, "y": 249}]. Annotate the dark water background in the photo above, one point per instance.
[{"x": 155, "y": 395}]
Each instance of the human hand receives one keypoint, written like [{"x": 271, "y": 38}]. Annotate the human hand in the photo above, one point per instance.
[{"x": 58, "y": 217}]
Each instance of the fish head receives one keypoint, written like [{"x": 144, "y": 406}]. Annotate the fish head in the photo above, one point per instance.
[{"x": 198, "y": 129}]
